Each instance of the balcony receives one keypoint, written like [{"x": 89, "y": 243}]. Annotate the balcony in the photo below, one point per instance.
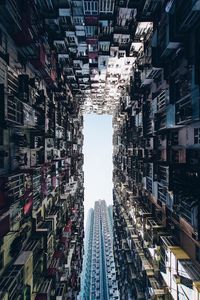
[
  {"x": 167, "y": 39},
  {"x": 156, "y": 289},
  {"x": 154, "y": 231},
  {"x": 44, "y": 290},
  {"x": 188, "y": 273},
  {"x": 52, "y": 24},
  {"x": 184, "y": 110},
  {"x": 125, "y": 20},
  {"x": 180, "y": 272},
  {"x": 162, "y": 100},
  {"x": 105, "y": 30},
  {"x": 122, "y": 41},
  {"x": 141, "y": 221},
  {"x": 40, "y": 61},
  {"x": 162, "y": 193},
  {"x": 146, "y": 266},
  {"x": 60, "y": 46},
  {"x": 13, "y": 110},
  {"x": 15, "y": 188},
  {"x": 56, "y": 264},
  {"x": 45, "y": 229},
  {"x": 71, "y": 38},
  {"x": 183, "y": 185},
  {"x": 150, "y": 8},
  {"x": 34, "y": 246},
  {"x": 165, "y": 119},
  {"x": 145, "y": 81},
  {"x": 65, "y": 19},
  {"x": 12, "y": 281},
  {"x": 60, "y": 291},
  {"x": 154, "y": 73}
]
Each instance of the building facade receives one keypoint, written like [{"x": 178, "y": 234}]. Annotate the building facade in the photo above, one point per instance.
[
  {"x": 99, "y": 276},
  {"x": 87, "y": 261},
  {"x": 138, "y": 60},
  {"x": 41, "y": 176},
  {"x": 156, "y": 157}
]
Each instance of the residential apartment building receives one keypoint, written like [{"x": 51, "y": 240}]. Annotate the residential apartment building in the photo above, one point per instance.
[
  {"x": 156, "y": 157},
  {"x": 41, "y": 177},
  {"x": 99, "y": 276}
]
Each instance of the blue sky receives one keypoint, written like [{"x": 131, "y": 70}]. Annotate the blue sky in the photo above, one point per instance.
[{"x": 97, "y": 151}]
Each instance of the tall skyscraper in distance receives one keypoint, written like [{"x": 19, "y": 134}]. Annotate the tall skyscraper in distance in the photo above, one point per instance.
[
  {"x": 99, "y": 275},
  {"x": 86, "y": 272}
]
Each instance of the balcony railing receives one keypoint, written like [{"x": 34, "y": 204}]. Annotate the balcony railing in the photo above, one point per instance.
[
  {"x": 150, "y": 7},
  {"x": 162, "y": 100},
  {"x": 154, "y": 230},
  {"x": 13, "y": 110},
  {"x": 184, "y": 110},
  {"x": 12, "y": 281},
  {"x": 44, "y": 289},
  {"x": 15, "y": 188},
  {"x": 12, "y": 82}
]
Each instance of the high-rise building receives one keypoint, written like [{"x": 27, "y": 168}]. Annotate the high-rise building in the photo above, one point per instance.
[
  {"x": 157, "y": 156},
  {"x": 41, "y": 176},
  {"x": 99, "y": 276},
  {"x": 87, "y": 259}
]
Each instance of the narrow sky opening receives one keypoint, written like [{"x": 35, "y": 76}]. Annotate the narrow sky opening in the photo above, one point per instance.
[{"x": 98, "y": 165}]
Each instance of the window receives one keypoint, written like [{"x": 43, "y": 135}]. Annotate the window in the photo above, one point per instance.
[{"x": 196, "y": 135}]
